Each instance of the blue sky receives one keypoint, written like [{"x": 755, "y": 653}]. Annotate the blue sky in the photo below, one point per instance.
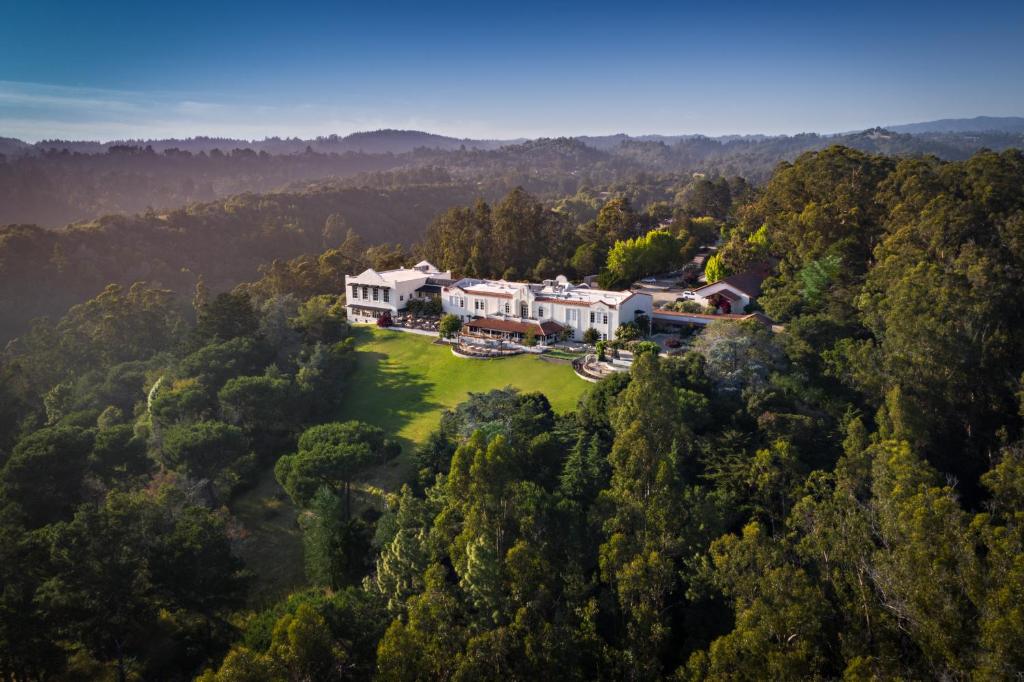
[{"x": 108, "y": 70}]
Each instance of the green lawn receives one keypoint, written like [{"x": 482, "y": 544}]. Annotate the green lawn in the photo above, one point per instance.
[{"x": 403, "y": 382}]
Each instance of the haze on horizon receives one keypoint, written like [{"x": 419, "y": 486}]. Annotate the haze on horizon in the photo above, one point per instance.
[{"x": 117, "y": 70}]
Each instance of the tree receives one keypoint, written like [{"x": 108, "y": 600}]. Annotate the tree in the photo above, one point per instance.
[
  {"x": 203, "y": 449},
  {"x": 332, "y": 455},
  {"x": 630, "y": 259},
  {"x": 43, "y": 476},
  {"x": 780, "y": 615},
  {"x": 627, "y": 331},
  {"x": 617, "y": 220},
  {"x": 643, "y": 519},
  {"x": 738, "y": 354},
  {"x": 714, "y": 269},
  {"x": 322, "y": 318},
  {"x": 423, "y": 645},
  {"x": 195, "y": 569},
  {"x": 118, "y": 455},
  {"x": 707, "y": 197},
  {"x": 449, "y": 326},
  {"x": 259, "y": 404},
  {"x": 591, "y": 336},
  {"x": 302, "y": 648},
  {"x": 226, "y": 317},
  {"x": 336, "y": 547}
]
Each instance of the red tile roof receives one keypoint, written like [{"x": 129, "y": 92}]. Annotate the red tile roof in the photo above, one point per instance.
[
  {"x": 748, "y": 282},
  {"x": 495, "y": 324}
]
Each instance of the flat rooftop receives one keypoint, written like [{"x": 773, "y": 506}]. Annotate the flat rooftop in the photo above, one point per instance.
[{"x": 556, "y": 292}]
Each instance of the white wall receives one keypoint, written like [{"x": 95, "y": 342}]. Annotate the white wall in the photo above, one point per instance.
[{"x": 717, "y": 287}]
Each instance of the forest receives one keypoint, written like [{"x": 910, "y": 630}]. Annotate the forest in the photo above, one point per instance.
[
  {"x": 841, "y": 499},
  {"x": 55, "y": 182}
]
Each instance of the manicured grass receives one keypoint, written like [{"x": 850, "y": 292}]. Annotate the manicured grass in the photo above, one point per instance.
[{"x": 403, "y": 382}]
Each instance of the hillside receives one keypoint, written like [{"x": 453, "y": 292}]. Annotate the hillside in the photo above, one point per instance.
[
  {"x": 55, "y": 182},
  {"x": 1001, "y": 124},
  {"x": 42, "y": 272}
]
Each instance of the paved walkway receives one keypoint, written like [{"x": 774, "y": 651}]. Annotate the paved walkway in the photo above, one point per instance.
[{"x": 421, "y": 332}]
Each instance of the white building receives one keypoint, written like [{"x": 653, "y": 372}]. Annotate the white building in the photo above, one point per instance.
[
  {"x": 510, "y": 309},
  {"x": 370, "y": 294},
  {"x": 734, "y": 293}
]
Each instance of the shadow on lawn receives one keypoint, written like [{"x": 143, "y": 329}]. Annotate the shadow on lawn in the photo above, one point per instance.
[{"x": 387, "y": 394}]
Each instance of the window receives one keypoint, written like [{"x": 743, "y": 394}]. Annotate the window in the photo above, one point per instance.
[
  {"x": 355, "y": 291},
  {"x": 572, "y": 315},
  {"x": 508, "y": 308},
  {"x": 605, "y": 316},
  {"x": 387, "y": 295},
  {"x": 401, "y": 298},
  {"x": 593, "y": 317},
  {"x": 479, "y": 305},
  {"x": 524, "y": 310},
  {"x": 540, "y": 311},
  {"x": 366, "y": 292},
  {"x": 376, "y": 293}
]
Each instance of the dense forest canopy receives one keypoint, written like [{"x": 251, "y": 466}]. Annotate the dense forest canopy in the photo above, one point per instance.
[{"x": 843, "y": 498}]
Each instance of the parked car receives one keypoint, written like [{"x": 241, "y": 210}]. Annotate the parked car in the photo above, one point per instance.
[
  {"x": 649, "y": 280},
  {"x": 687, "y": 295}
]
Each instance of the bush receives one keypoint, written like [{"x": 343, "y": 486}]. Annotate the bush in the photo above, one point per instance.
[
  {"x": 385, "y": 319},
  {"x": 645, "y": 347},
  {"x": 689, "y": 307},
  {"x": 430, "y": 307},
  {"x": 530, "y": 338},
  {"x": 591, "y": 336},
  {"x": 600, "y": 347},
  {"x": 673, "y": 343},
  {"x": 627, "y": 331},
  {"x": 449, "y": 326}
]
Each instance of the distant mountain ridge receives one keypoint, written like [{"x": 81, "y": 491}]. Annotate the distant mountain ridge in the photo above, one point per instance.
[
  {"x": 385, "y": 141},
  {"x": 978, "y": 124},
  {"x": 391, "y": 141}
]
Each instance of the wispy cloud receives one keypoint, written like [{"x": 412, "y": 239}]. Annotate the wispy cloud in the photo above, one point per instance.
[{"x": 34, "y": 111}]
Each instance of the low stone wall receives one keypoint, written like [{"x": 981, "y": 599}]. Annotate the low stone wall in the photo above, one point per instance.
[{"x": 482, "y": 354}]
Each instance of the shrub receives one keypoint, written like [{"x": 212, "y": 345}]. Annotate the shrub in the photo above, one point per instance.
[
  {"x": 449, "y": 326},
  {"x": 643, "y": 347},
  {"x": 424, "y": 306},
  {"x": 385, "y": 319},
  {"x": 627, "y": 331},
  {"x": 591, "y": 336}
]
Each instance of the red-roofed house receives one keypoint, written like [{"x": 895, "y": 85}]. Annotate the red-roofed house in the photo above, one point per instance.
[{"x": 734, "y": 293}]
